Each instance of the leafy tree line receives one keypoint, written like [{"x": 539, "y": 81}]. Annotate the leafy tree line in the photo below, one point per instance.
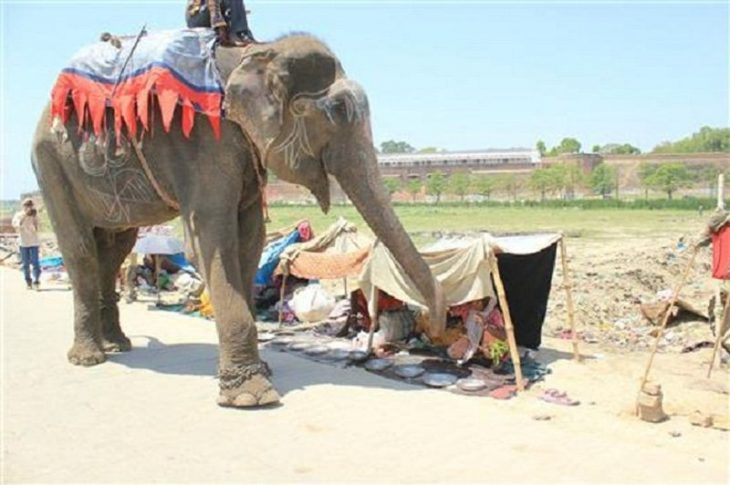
[
  {"x": 706, "y": 140},
  {"x": 393, "y": 146},
  {"x": 459, "y": 184},
  {"x": 558, "y": 181}
]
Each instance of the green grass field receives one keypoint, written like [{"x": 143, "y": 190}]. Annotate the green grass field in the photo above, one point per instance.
[{"x": 593, "y": 224}]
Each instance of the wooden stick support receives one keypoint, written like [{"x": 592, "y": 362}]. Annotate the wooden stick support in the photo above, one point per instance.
[
  {"x": 513, "y": 352},
  {"x": 282, "y": 292},
  {"x": 660, "y": 331},
  {"x": 719, "y": 334},
  {"x": 721, "y": 191},
  {"x": 373, "y": 320},
  {"x": 568, "y": 284}
]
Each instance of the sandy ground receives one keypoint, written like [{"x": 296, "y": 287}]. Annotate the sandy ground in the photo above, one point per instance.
[{"x": 150, "y": 415}]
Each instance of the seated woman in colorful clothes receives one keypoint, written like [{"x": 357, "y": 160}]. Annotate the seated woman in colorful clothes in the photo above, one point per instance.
[{"x": 227, "y": 17}]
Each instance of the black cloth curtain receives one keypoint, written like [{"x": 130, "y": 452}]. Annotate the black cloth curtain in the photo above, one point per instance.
[{"x": 527, "y": 280}]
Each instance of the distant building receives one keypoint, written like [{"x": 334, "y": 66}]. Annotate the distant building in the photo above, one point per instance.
[{"x": 419, "y": 165}]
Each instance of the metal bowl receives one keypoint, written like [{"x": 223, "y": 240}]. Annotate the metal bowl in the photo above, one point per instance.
[
  {"x": 408, "y": 371},
  {"x": 357, "y": 356},
  {"x": 439, "y": 379},
  {"x": 378, "y": 364},
  {"x": 338, "y": 354},
  {"x": 471, "y": 384}
]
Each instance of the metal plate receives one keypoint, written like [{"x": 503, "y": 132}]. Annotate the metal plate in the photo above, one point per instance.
[
  {"x": 439, "y": 379},
  {"x": 316, "y": 350},
  {"x": 338, "y": 354},
  {"x": 266, "y": 336},
  {"x": 471, "y": 384},
  {"x": 298, "y": 346},
  {"x": 378, "y": 364},
  {"x": 408, "y": 371}
]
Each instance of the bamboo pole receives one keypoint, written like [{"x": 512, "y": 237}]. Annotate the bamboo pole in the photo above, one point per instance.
[
  {"x": 568, "y": 283},
  {"x": 514, "y": 354},
  {"x": 660, "y": 332},
  {"x": 719, "y": 334},
  {"x": 281, "y": 299},
  {"x": 719, "y": 324}
]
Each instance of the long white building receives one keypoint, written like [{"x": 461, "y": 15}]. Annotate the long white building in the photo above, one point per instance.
[{"x": 409, "y": 165}]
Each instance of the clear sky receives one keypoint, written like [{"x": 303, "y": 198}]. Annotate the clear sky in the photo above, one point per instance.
[{"x": 455, "y": 75}]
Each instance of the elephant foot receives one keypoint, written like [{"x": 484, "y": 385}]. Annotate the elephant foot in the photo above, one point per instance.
[
  {"x": 245, "y": 386},
  {"x": 116, "y": 343},
  {"x": 86, "y": 354}
]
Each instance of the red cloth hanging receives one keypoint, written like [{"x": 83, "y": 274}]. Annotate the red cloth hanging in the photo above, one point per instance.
[{"x": 721, "y": 254}]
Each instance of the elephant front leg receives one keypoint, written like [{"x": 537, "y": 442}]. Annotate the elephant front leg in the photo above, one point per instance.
[{"x": 243, "y": 377}]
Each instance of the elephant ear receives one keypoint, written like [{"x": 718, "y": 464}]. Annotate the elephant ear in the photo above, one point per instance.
[{"x": 255, "y": 97}]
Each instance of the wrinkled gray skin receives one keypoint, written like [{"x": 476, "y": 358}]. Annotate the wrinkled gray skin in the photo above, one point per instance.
[{"x": 287, "y": 102}]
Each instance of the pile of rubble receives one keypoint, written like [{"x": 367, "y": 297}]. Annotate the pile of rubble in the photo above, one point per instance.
[{"x": 612, "y": 282}]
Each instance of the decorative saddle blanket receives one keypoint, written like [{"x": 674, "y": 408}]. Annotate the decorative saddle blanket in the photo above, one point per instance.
[{"x": 177, "y": 67}]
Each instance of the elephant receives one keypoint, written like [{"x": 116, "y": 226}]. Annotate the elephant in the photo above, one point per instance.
[{"x": 289, "y": 108}]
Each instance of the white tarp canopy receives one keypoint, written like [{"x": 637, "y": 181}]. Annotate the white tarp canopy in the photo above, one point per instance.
[{"x": 461, "y": 265}]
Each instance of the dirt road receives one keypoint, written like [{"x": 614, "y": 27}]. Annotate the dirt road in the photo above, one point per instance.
[{"x": 150, "y": 415}]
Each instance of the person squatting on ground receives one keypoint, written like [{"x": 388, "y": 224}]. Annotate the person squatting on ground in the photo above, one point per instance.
[
  {"x": 226, "y": 17},
  {"x": 26, "y": 223}
]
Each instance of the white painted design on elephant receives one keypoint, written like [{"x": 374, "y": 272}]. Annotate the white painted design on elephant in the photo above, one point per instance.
[
  {"x": 351, "y": 94},
  {"x": 296, "y": 143},
  {"x": 128, "y": 186}
]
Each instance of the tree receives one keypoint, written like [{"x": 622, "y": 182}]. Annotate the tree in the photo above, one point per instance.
[
  {"x": 706, "y": 140},
  {"x": 392, "y": 146},
  {"x": 436, "y": 184},
  {"x": 596, "y": 148},
  {"x": 568, "y": 177},
  {"x": 541, "y": 180},
  {"x": 510, "y": 183},
  {"x": 414, "y": 187},
  {"x": 459, "y": 184},
  {"x": 568, "y": 145},
  {"x": 429, "y": 150},
  {"x": 707, "y": 177},
  {"x": 484, "y": 185},
  {"x": 619, "y": 149},
  {"x": 540, "y": 146},
  {"x": 392, "y": 185},
  {"x": 603, "y": 179},
  {"x": 646, "y": 170},
  {"x": 670, "y": 177}
]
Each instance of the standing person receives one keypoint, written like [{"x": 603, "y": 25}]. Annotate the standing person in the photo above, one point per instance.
[
  {"x": 26, "y": 223},
  {"x": 227, "y": 17}
]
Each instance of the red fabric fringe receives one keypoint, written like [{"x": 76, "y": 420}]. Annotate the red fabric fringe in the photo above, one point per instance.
[{"x": 131, "y": 101}]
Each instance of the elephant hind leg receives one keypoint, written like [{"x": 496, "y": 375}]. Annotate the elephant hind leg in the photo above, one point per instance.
[
  {"x": 76, "y": 241},
  {"x": 112, "y": 248}
]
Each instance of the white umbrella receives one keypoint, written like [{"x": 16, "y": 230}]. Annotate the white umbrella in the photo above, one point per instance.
[{"x": 157, "y": 244}]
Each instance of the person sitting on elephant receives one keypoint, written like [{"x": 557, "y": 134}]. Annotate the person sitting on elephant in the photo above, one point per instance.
[{"x": 227, "y": 17}]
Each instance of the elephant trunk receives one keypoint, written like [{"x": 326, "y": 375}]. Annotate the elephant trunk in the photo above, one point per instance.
[{"x": 360, "y": 178}]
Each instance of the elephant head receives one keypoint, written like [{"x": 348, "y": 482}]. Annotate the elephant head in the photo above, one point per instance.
[{"x": 309, "y": 122}]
